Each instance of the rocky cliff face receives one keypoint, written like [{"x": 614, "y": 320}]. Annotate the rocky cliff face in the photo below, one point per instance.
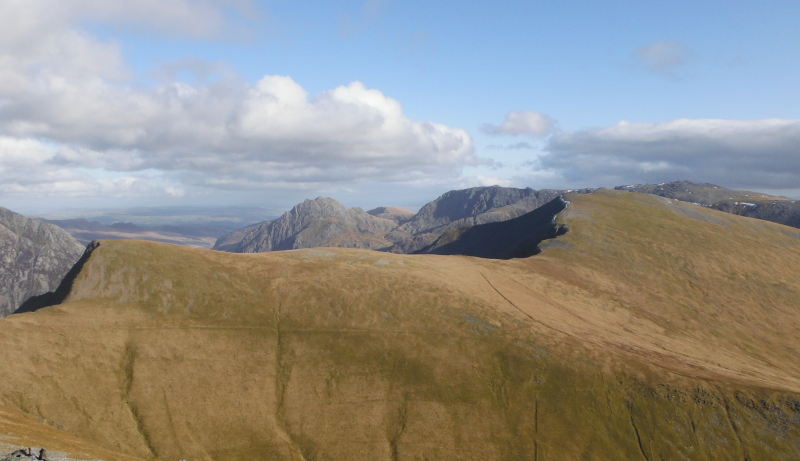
[
  {"x": 35, "y": 257},
  {"x": 740, "y": 202},
  {"x": 515, "y": 238},
  {"x": 460, "y": 209},
  {"x": 326, "y": 222}
]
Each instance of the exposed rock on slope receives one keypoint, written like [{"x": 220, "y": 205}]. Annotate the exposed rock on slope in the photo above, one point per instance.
[
  {"x": 516, "y": 238},
  {"x": 465, "y": 208},
  {"x": 743, "y": 203},
  {"x": 35, "y": 257},
  {"x": 313, "y": 223},
  {"x": 325, "y": 222},
  {"x": 656, "y": 330}
]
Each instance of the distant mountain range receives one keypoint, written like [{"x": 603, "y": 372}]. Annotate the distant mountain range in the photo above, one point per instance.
[
  {"x": 37, "y": 254},
  {"x": 324, "y": 222}
]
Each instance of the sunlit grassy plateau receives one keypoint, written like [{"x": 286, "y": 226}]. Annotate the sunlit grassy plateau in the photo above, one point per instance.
[{"x": 652, "y": 330}]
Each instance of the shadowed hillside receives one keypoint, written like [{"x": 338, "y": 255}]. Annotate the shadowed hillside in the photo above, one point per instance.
[
  {"x": 654, "y": 329},
  {"x": 516, "y": 238}
]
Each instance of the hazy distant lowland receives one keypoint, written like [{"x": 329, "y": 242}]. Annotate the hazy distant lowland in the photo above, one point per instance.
[{"x": 191, "y": 226}]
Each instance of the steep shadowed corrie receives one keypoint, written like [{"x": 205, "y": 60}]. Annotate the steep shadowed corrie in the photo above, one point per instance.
[{"x": 516, "y": 238}]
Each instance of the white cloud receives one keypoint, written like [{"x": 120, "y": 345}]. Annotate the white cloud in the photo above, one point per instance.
[
  {"x": 663, "y": 57},
  {"x": 758, "y": 154},
  {"x": 65, "y": 96},
  {"x": 33, "y": 169},
  {"x": 529, "y": 122}
]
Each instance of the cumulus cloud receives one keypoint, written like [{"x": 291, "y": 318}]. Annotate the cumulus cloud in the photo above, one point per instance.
[
  {"x": 30, "y": 168},
  {"x": 67, "y": 101},
  {"x": 663, "y": 57},
  {"x": 758, "y": 154},
  {"x": 529, "y": 122}
]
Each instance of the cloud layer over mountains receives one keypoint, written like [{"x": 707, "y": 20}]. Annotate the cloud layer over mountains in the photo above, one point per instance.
[
  {"x": 77, "y": 119},
  {"x": 757, "y": 154},
  {"x": 70, "y": 110}
]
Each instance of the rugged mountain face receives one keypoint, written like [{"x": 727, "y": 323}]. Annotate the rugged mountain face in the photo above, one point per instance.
[
  {"x": 313, "y": 223},
  {"x": 743, "y": 203},
  {"x": 325, "y": 222},
  {"x": 654, "y": 329},
  {"x": 515, "y": 238},
  {"x": 35, "y": 257}
]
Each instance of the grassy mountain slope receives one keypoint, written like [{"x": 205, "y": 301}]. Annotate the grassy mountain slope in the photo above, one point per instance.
[
  {"x": 654, "y": 329},
  {"x": 781, "y": 210}
]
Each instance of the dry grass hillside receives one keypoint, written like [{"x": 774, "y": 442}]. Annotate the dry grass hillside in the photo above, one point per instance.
[{"x": 653, "y": 330}]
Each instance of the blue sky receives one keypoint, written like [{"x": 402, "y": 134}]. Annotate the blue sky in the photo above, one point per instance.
[{"x": 383, "y": 102}]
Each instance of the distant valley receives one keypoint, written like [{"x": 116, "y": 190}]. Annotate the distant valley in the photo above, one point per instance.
[{"x": 194, "y": 227}]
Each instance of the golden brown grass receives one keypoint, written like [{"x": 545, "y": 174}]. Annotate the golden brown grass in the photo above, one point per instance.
[{"x": 652, "y": 330}]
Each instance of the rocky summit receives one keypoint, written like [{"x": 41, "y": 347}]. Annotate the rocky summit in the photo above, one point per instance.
[
  {"x": 313, "y": 223},
  {"x": 35, "y": 257}
]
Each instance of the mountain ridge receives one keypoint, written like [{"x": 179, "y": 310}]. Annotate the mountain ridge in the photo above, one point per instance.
[
  {"x": 465, "y": 208},
  {"x": 408, "y": 234},
  {"x": 656, "y": 329},
  {"x": 781, "y": 210}
]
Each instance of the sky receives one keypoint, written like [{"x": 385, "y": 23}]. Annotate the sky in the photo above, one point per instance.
[{"x": 112, "y": 103}]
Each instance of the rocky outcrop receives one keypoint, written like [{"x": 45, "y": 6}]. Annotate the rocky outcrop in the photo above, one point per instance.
[
  {"x": 781, "y": 211},
  {"x": 31, "y": 454},
  {"x": 35, "y": 257},
  {"x": 313, "y": 223},
  {"x": 740, "y": 202}
]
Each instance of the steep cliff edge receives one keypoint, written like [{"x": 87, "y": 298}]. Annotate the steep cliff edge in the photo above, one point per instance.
[{"x": 35, "y": 257}]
